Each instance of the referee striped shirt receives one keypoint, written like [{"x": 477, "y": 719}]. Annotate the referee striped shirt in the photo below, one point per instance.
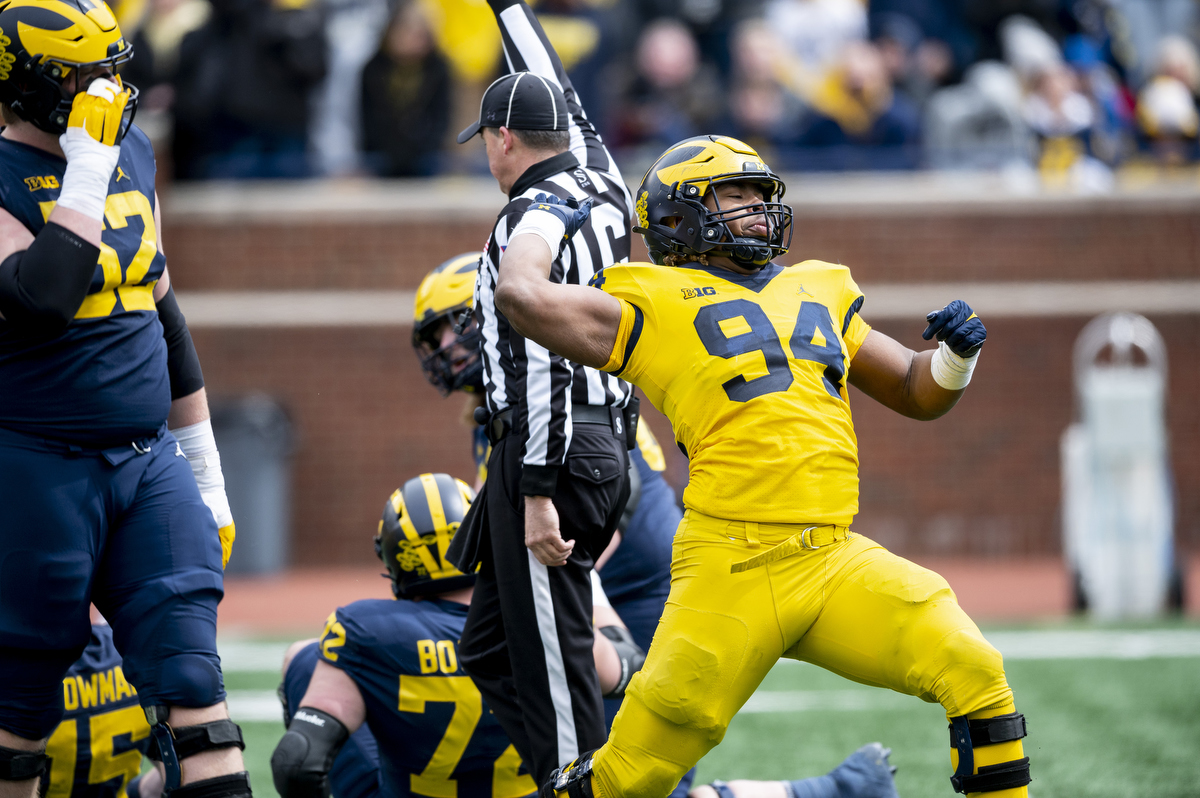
[{"x": 541, "y": 386}]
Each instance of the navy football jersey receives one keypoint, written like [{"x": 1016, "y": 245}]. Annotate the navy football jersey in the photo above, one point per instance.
[
  {"x": 98, "y": 747},
  {"x": 104, "y": 380},
  {"x": 436, "y": 735}
]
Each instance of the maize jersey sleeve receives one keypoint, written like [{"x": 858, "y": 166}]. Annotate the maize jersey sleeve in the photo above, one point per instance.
[{"x": 751, "y": 371}]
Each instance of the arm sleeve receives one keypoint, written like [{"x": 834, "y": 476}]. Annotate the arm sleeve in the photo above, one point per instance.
[
  {"x": 41, "y": 288},
  {"x": 183, "y": 364},
  {"x": 526, "y": 48}
]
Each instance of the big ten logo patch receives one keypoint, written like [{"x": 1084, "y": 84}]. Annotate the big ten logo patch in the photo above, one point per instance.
[
  {"x": 692, "y": 293},
  {"x": 434, "y": 657},
  {"x": 7, "y": 59},
  {"x": 39, "y": 182}
]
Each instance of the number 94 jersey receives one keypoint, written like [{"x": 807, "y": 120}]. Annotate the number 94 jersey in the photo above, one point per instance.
[
  {"x": 751, "y": 371},
  {"x": 436, "y": 736}
]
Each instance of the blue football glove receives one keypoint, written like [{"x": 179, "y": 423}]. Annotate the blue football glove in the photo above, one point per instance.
[
  {"x": 866, "y": 773},
  {"x": 958, "y": 326},
  {"x": 572, "y": 212}
]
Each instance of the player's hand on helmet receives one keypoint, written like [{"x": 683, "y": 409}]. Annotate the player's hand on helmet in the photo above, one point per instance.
[
  {"x": 571, "y": 211},
  {"x": 957, "y": 326},
  {"x": 542, "y": 535},
  {"x": 96, "y": 118}
]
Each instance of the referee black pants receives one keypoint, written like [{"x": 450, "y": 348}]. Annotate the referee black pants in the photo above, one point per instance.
[{"x": 527, "y": 643}]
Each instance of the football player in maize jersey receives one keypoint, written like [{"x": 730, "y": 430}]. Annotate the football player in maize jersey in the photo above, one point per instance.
[
  {"x": 636, "y": 567},
  {"x": 99, "y": 502},
  {"x": 751, "y": 363},
  {"x": 97, "y": 749}
]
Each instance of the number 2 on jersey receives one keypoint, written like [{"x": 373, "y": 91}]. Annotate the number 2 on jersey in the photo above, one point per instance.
[{"x": 812, "y": 339}]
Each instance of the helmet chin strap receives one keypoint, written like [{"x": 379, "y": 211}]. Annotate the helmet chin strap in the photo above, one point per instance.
[{"x": 745, "y": 254}]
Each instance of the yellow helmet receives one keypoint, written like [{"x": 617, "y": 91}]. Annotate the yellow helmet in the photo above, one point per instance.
[
  {"x": 42, "y": 42},
  {"x": 447, "y": 294},
  {"x": 672, "y": 216},
  {"x": 419, "y": 521}
]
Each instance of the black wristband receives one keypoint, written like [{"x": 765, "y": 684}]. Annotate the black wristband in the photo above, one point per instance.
[
  {"x": 539, "y": 480},
  {"x": 41, "y": 288},
  {"x": 183, "y": 364}
]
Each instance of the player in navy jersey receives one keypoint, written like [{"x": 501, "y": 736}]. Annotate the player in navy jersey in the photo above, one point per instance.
[
  {"x": 99, "y": 503},
  {"x": 97, "y": 748}
]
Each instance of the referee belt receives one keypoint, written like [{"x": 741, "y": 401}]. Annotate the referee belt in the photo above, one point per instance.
[
  {"x": 500, "y": 424},
  {"x": 810, "y": 538}
]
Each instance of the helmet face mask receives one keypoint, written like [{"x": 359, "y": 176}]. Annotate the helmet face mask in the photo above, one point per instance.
[
  {"x": 446, "y": 296},
  {"x": 46, "y": 43},
  {"x": 674, "y": 219},
  {"x": 419, "y": 521}
]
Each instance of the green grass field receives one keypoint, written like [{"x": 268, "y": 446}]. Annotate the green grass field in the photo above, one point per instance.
[{"x": 1101, "y": 727}]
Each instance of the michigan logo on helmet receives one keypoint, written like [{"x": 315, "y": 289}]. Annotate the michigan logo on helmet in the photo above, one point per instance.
[
  {"x": 444, "y": 300},
  {"x": 418, "y": 523},
  {"x": 674, "y": 220},
  {"x": 45, "y": 45}
]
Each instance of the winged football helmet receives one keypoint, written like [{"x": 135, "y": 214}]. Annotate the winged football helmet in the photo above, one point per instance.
[
  {"x": 672, "y": 216},
  {"x": 447, "y": 294},
  {"x": 419, "y": 521},
  {"x": 42, "y": 42}
]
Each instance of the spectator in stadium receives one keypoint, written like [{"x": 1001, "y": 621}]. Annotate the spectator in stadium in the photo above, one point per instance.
[
  {"x": 242, "y": 90},
  {"x": 673, "y": 94},
  {"x": 815, "y": 32},
  {"x": 917, "y": 66},
  {"x": 761, "y": 110},
  {"x": 406, "y": 96},
  {"x": 856, "y": 120}
]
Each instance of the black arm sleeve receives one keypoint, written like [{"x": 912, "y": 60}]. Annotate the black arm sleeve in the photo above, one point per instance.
[
  {"x": 41, "y": 288},
  {"x": 183, "y": 364}
]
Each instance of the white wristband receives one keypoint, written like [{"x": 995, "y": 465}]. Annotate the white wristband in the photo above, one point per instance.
[
  {"x": 90, "y": 165},
  {"x": 543, "y": 224},
  {"x": 952, "y": 371},
  {"x": 198, "y": 445}
]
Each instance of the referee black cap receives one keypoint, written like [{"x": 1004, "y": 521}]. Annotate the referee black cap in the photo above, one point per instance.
[{"x": 520, "y": 101}]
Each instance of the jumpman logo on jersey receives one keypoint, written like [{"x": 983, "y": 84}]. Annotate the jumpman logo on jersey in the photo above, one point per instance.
[
  {"x": 179, "y": 451},
  {"x": 121, "y": 174},
  {"x": 801, "y": 292}
]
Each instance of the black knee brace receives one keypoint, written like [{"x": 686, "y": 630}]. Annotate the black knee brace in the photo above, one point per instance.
[
  {"x": 302, "y": 759},
  {"x": 628, "y": 652},
  {"x": 235, "y": 785},
  {"x": 22, "y": 765},
  {"x": 169, "y": 745},
  {"x": 966, "y": 735},
  {"x": 575, "y": 779}
]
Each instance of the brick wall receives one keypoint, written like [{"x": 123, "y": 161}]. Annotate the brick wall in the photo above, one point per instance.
[{"x": 983, "y": 480}]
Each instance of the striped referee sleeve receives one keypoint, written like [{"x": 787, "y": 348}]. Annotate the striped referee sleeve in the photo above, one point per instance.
[{"x": 526, "y": 48}]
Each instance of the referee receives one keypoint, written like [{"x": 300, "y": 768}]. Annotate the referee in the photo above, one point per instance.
[{"x": 557, "y": 474}]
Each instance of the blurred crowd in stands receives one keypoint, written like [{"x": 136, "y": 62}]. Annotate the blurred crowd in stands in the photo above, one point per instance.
[{"x": 1073, "y": 89}]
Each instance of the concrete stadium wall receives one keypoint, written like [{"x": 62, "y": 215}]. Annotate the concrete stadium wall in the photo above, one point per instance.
[{"x": 313, "y": 271}]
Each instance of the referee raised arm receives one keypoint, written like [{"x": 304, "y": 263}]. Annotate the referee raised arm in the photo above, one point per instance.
[{"x": 558, "y": 429}]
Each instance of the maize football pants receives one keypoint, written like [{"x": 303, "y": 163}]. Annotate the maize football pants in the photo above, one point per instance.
[{"x": 851, "y": 607}]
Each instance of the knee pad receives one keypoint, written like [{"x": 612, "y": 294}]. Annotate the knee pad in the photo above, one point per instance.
[
  {"x": 723, "y": 789},
  {"x": 573, "y": 780},
  {"x": 967, "y": 735},
  {"x": 628, "y": 652},
  {"x": 18, "y": 765},
  {"x": 302, "y": 759},
  {"x": 235, "y": 785},
  {"x": 188, "y": 680},
  {"x": 170, "y": 746}
]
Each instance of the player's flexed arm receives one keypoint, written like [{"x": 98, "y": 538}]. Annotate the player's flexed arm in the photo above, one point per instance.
[{"x": 921, "y": 385}]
